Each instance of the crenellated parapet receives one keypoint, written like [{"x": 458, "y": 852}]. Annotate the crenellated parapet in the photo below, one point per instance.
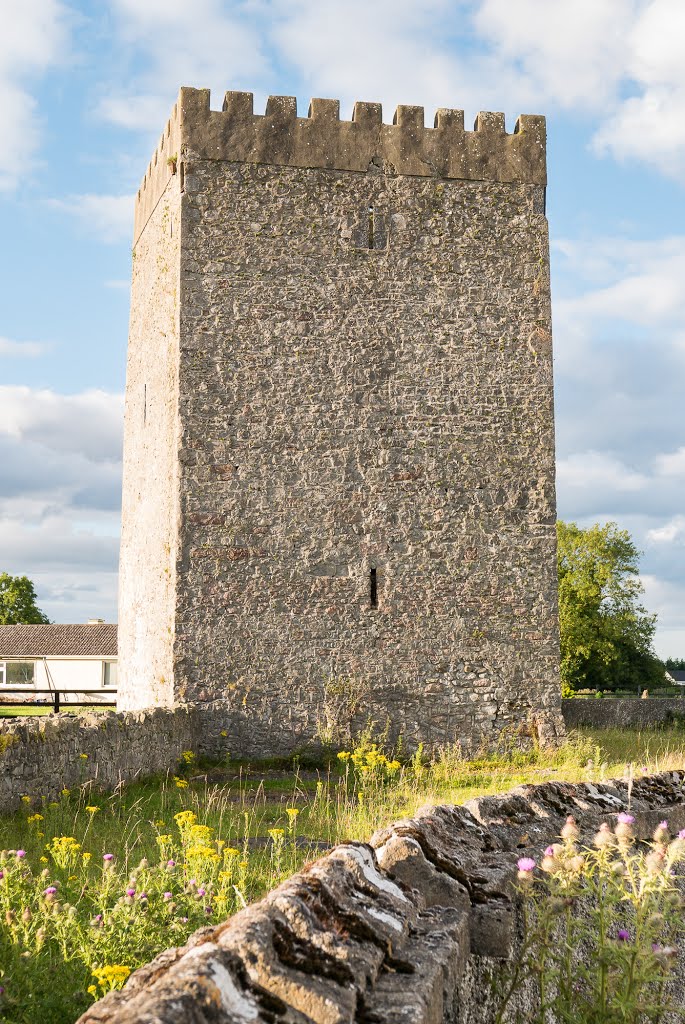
[{"x": 364, "y": 144}]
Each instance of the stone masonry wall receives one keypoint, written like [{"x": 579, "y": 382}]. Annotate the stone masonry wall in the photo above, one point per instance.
[
  {"x": 622, "y": 713},
  {"x": 417, "y": 927},
  {"x": 147, "y": 569},
  {"x": 40, "y": 756},
  {"x": 363, "y": 528}
]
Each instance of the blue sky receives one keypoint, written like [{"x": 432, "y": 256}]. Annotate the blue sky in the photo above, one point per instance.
[{"x": 87, "y": 88}]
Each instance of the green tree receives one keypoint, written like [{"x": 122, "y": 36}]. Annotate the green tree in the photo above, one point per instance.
[
  {"x": 18, "y": 601},
  {"x": 606, "y": 634},
  {"x": 678, "y": 663}
]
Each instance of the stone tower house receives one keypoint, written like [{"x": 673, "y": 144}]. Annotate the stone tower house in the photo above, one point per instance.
[{"x": 339, "y": 448}]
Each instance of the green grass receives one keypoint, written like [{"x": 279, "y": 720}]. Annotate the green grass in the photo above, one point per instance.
[
  {"x": 273, "y": 821},
  {"x": 23, "y": 710}
]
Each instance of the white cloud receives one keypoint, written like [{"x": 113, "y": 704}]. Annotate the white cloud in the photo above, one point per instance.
[
  {"x": 203, "y": 44},
  {"x": 572, "y": 52},
  {"x": 671, "y": 531},
  {"x": 110, "y": 218},
  {"x": 33, "y": 38},
  {"x": 635, "y": 281},
  {"x": 89, "y": 423},
  {"x": 671, "y": 463},
  {"x": 597, "y": 469},
  {"x": 61, "y": 494},
  {"x": 26, "y": 349}
]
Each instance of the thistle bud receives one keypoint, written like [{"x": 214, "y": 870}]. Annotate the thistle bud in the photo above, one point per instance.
[
  {"x": 654, "y": 862},
  {"x": 26, "y": 916},
  {"x": 570, "y": 829},
  {"x": 624, "y": 827},
  {"x": 661, "y": 832},
  {"x": 605, "y": 837}
]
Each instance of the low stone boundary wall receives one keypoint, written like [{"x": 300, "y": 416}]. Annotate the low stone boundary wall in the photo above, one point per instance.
[
  {"x": 41, "y": 755},
  {"x": 412, "y": 928},
  {"x": 622, "y": 712}
]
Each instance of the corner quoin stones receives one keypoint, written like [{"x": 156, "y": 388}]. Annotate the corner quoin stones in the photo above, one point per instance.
[{"x": 339, "y": 497}]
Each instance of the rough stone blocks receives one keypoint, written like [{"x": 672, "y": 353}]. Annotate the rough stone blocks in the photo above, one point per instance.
[{"x": 339, "y": 459}]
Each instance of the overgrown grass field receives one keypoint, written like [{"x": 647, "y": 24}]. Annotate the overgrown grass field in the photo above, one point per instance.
[{"x": 94, "y": 885}]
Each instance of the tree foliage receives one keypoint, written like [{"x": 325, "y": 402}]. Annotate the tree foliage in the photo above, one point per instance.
[
  {"x": 606, "y": 634},
  {"x": 18, "y": 601}
]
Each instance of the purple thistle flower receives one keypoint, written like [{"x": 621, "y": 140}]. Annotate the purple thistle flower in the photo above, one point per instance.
[
  {"x": 208, "y": 911},
  {"x": 130, "y": 892},
  {"x": 20, "y": 854},
  {"x": 526, "y": 864},
  {"x": 625, "y": 819},
  {"x": 142, "y": 896},
  {"x": 171, "y": 863},
  {"x": 549, "y": 852},
  {"x": 168, "y": 895},
  {"x": 201, "y": 892},
  {"x": 623, "y": 935},
  {"x": 681, "y": 834},
  {"x": 50, "y": 891},
  {"x": 2, "y": 874},
  {"x": 663, "y": 824},
  {"x": 192, "y": 881},
  {"x": 108, "y": 856}
]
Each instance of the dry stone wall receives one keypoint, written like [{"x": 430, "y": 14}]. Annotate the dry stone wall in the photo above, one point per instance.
[
  {"x": 623, "y": 713},
  {"x": 40, "y": 756},
  {"x": 415, "y": 927},
  {"x": 364, "y": 522}
]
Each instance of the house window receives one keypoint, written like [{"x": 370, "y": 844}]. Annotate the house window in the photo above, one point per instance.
[
  {"x": 109, "y": 673},
  {"x": 17, "y": 673}
]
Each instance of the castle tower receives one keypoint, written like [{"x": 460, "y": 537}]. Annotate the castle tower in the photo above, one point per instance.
[{"x": 339, "y": 447}]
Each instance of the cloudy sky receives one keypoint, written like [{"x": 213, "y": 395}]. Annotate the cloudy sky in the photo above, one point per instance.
[{"x": 86, "y": 88}]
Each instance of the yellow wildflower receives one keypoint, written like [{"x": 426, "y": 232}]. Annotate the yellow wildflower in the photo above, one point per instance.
[
  {"x": 292, "y": 813},
  {"x": 180, "y": 783},
  {"x": 344, "y": 755},
  {"x": 159, "y": 823},
  {"x": 111, "y": 977},
  {"x": 44, "y": 860},
  {"x": 201, "y": 851},
  {"x": 200, "y": 833},
  {"x": 53, "y": 804},
  {"x": 92, "y": 810},
  {"x": 35, "y": 817},
  {"x": 85, "y": 857},
  {"x": 164, "y": 840},
  {"x": 184, "y": 818},
  {"x": 231, "y": 851},
  {"x": 187, "y": 756},
  {"x": 84, "y": 757},
  {"x": 66, "y": 792},
  {"x": 92, "y": 990},
  {"x": 276, "y": 833}
]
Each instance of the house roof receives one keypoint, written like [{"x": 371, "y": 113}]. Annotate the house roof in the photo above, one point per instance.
[
  {"x": 676, "y": 674},
  {"x": 96, "y": 640}
]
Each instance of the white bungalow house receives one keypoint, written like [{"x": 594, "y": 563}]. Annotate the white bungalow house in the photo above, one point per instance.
[{"x": 59, "y": 657}]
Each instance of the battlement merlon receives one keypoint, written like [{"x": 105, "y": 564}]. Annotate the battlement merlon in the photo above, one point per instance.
[{"x": 322, "y": 140}]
